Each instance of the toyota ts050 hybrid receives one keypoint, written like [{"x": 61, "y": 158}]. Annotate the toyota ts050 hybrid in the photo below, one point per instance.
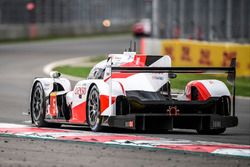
[{"x": 133, "y": 91}]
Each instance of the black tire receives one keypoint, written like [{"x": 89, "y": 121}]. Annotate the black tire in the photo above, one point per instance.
[
  {"x": 94, "y": 118},
  {"x": 211, "y": 131},
  {"x": 38, "y": 106},
  {"x": 54, "y": 125}
]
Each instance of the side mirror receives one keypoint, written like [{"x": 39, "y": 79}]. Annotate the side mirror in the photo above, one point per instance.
[
  {"x": 172, "y": 75},
  {"x": 55, "y": 74}
]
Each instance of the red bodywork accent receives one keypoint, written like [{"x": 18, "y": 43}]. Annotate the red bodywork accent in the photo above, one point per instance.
[
  {"x": 104, "y": 100},
  {"x": 203, "y": 92},
  {"x": 79, "y": 113},
  {"x": 139, "y": 61},
  {"x": 123, "y": 90},
  {"x": 119, "y": 75}
]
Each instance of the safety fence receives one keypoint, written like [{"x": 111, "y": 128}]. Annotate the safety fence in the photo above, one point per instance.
[
  {"x": 209, "y": 20},
  {"x": 43, "y": 18}
]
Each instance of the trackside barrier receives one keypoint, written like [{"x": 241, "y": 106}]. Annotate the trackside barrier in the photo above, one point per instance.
[{"x": 201, "y": 54}]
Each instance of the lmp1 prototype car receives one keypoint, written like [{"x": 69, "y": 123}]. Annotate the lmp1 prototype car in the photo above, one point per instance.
[{"x": 133, "y": 91}]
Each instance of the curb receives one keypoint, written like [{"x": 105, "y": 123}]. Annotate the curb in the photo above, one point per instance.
[{"x": 126, "y": 140}]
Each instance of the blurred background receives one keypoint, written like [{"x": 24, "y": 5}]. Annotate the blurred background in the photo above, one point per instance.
[{"x": 210, "y": 20}]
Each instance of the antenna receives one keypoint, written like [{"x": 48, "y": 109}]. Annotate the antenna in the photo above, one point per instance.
[
  {"x": 134, "y": 46},
  {"x": 130, "y": 46}
]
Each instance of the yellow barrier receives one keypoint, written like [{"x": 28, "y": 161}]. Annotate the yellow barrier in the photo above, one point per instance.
[{"x": 197, "y": 53}]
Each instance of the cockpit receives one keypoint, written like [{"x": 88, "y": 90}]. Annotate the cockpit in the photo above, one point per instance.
[{"x": 97, "y": 72}]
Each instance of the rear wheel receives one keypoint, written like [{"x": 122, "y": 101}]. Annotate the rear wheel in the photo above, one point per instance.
[
  {"x": 94, "y": 118},
  {"x": 211, "y": 131},
  {"x": 38, "y": 106}
]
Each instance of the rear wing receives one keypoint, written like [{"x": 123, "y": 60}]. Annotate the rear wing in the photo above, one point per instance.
[{"x": 231, "y": 71}]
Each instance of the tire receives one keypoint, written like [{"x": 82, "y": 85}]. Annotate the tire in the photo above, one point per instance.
[
  {"x": 94, "y": 118},
  {"x": 38, "y": 106},
  {"x": 211, "y": 131},
  {"x": 54, "y": 125}
]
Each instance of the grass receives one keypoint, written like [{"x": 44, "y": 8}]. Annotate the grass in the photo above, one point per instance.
[
  {"x": 74, "y": 71},
  {"x": 242, "y": 83},
  {"x": 79, "y": 71}
]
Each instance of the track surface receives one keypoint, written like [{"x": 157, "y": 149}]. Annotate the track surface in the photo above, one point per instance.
[{"x": 20, "y": 63}]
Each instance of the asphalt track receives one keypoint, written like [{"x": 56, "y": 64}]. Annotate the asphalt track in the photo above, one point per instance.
[{"x": 20, "y": 63}]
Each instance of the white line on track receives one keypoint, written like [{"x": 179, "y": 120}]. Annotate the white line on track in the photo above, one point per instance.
[{"x": 125, "y": 140}]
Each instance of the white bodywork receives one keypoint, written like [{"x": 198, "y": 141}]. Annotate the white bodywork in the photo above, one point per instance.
[
  {"x": 216, "y": 88},
  {"x": 113, "y": 85},
  {"x": 47, "y": 84}
]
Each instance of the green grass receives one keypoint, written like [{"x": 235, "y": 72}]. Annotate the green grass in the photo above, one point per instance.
[
  {"x": 74, "y": 71},
  {"x": 242, "y": 84}
]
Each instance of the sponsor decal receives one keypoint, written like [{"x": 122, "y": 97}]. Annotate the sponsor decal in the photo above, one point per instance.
[
  {"x": 158, "y": 77},
  {"x": 205, "y": 57},
  {"x": 227, "y": 57},
  {"x": 185, "y": 54},
  {"x": 80, "y": 91},
  {"x": 213, "y": 54},
  {"x": 46, "y": 86},
  {"x": 211, "y": 82},
  {"x": 169, "y": 51}
]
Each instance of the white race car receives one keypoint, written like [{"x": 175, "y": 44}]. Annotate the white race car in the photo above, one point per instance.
[{"x": 133, "y": 91}]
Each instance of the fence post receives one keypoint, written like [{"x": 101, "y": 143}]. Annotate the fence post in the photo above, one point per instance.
[
  {"x": 155, "y": 17},
  {"x": 210, "y": 21},
  {"x": 182, "y": 26},
  {"x": 229, "y": 20}
]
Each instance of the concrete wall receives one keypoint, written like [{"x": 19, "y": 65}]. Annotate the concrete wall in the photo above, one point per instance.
[{"x": 15, "y": 31}]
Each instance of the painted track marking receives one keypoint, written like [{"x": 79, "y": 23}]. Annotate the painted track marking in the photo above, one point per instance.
[{"x": 125, "y": 140}]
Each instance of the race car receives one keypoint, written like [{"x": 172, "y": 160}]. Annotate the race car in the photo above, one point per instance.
[
  {"x": 133, "y": 91},
  {"x": 142, "y": 28}
]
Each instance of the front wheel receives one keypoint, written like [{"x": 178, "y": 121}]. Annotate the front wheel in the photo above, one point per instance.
[
  {"x": 211, "y": 131},
  {"x": 38, "y": 105},
  {"x": 94, "y": 118}
]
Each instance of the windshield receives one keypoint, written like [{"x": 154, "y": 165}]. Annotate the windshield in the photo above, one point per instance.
[{"x": 97, "y": 71}]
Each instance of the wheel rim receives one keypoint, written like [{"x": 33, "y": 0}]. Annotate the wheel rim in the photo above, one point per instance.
[
  {"x": 37, "y": 103},
  {"x": 93, "y": 108}
]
